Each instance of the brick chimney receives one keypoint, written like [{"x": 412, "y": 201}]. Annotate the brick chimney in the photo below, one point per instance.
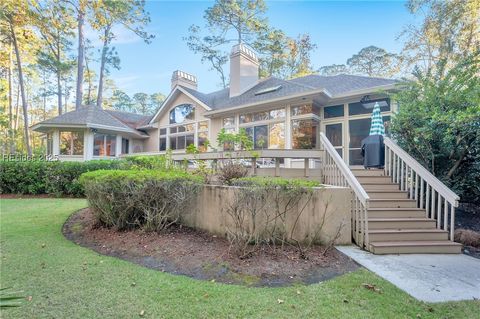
[
  {"x": 184, "y": 79},
  {"x": 243, "y": 69}
]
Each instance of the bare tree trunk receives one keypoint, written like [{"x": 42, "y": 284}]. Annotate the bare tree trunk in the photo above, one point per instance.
[
  {"x": 59, "y": 79},
  {"x": 67, "y": 95},
  {"x": 17, "y": 107},
  {"x": 89, "y": 79},
  {"x": 22, "y": 89},
  {"x": 80, "y": 58},
  {"x": 102, "y": 65},
  {"x": 10, "y": 101}
]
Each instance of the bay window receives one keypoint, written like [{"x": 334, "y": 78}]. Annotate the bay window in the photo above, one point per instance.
[{"x": 71, "y": 143}]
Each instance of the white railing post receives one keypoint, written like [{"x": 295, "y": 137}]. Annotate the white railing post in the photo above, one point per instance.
[
  {"x": 338, "y": 174},
  {"x": 408, "y": 173}
]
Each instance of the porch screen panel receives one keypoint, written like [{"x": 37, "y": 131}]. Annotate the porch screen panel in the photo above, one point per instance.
[
  {"x": 359, "y": 108},
  {"x": 304, "y": 134},
  {"x": 71, "y": 143}
]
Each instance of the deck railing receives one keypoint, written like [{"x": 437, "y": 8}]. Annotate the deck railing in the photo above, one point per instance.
[
  {"x": 429, "y": 193},
  {"x": 337, "y": 173}
]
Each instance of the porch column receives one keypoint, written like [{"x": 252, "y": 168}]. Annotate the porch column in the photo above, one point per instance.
[
  {"x": 306, "y": 167},
  {"x": 88, "y": 145},
  {"x": 56, "y": 143},
  {"x": 118, "y": 145},
  {"x": 288, "y": 134}
]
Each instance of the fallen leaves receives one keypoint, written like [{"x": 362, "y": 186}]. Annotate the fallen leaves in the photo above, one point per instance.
[{"x": 372, "y": 287}]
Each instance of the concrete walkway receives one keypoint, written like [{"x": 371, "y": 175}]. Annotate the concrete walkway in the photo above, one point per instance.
[{"x": 429, "y": 278}]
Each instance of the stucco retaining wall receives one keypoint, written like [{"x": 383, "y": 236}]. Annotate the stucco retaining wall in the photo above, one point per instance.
[{"x": 327, "y": 212}]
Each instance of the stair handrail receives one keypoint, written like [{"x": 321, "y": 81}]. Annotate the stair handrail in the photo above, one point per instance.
[
  {"x": 334, "y": 164},
  {"x": 421, "y": 185}
]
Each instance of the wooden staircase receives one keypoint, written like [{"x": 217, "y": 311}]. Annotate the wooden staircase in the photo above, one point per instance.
[{"x": 395, "y": 224}]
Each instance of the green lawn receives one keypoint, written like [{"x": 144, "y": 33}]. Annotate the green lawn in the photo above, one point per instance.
[{"x": 68, "y": 281}]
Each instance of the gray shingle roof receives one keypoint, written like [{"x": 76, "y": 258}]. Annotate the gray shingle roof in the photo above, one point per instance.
[
  {"x": 343, "y": 83},
  {"x": 335, "y": 85},
  {"x": 92, "y": 115}
]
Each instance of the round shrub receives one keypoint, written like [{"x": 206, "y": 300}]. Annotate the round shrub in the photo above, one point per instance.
[{"x": 151, "y": 200}]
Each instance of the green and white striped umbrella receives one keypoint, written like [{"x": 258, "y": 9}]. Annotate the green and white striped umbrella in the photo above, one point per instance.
[{"x": 377, "y": 127}]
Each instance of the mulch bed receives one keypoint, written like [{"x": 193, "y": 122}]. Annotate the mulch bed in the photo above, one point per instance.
[
  {"x": 467, "y": 216},
  {"x": 200, "y": 255}
]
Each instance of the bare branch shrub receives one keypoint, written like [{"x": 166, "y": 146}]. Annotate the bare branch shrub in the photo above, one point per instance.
[
  {"x": 260, "y": 210},
  {"x": 230, "y": 171}
]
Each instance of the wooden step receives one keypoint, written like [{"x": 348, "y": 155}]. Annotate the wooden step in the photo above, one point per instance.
[
  {"x": 392, "y": 203},
  {"x": 416, "y": 247},
  {"x": 396, "y": 213},
  {"x": 368, "y": 172},
  {"x": 374, "y": 179},
  {"x": 384, "y": 235},
  {"x": 367, "y": 186},
  {"x": 385, "y": 194},
  {"x": 401, "y": 223}
]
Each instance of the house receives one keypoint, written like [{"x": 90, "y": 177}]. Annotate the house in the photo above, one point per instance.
[
  {"x": 276, "y": 113},
  {"x": 319, "y": 119}
]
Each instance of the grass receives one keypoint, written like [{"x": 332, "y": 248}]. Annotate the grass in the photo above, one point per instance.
[{"x": 63, "y": 280}]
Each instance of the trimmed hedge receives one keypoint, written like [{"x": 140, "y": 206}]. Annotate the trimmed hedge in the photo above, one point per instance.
[
  {"x": 275, "y": 182},
  {"x": 61, "y": 178},
  {"x": 56, "y": 178},
  {"x": 150, "y": 199}
]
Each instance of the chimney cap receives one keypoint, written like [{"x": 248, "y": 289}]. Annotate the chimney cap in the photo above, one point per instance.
[
  {"x": 178, "y": 74},
  {"x": 245, "y": 49}
]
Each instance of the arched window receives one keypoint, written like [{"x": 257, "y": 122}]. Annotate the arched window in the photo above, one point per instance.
[{"x": 182, "y": 113}]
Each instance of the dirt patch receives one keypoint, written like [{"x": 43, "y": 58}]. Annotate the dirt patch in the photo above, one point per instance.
[
  {"x": 200, "y": 255},
  {"x": 467, "y": 216}
]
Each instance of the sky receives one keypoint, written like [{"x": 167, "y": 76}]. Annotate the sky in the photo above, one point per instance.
[{"x": 338, "y": 28}]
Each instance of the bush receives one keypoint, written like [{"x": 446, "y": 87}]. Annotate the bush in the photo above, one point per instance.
[
  {"x": 275, "y": 182},
  {"x": 151, "y": 200},
  {"x": 230, "y": 171},
  {"x": 161, "y": 162},
  {"x": 57, "y": 178},
  {"x": 467, "y": 237}
]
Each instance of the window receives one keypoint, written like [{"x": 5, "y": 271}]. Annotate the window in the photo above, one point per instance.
[
  {"x": 49, "y": 144},
  {"x": 163, "y": 143},
  {"x": 358, "y": 108},
  {"x": 202, "y": 136},
  {"x": 104, "y": 144},
  {"x": 180, "y": 142},
  {"x": 71, "y": 143},
  {"x": 333, "y": 111},
  {"x": 276, "y": 136},
  {"x": 182, "y": 113},
  {"x": 125, "y": 145},
  {"x": 163, "y": 139},
  {"x": 304, "y": 134},
  {"x": 228, "y": 121},
  {"x": 305, "y": 109},
  {"x": 261, "y": 116}
]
